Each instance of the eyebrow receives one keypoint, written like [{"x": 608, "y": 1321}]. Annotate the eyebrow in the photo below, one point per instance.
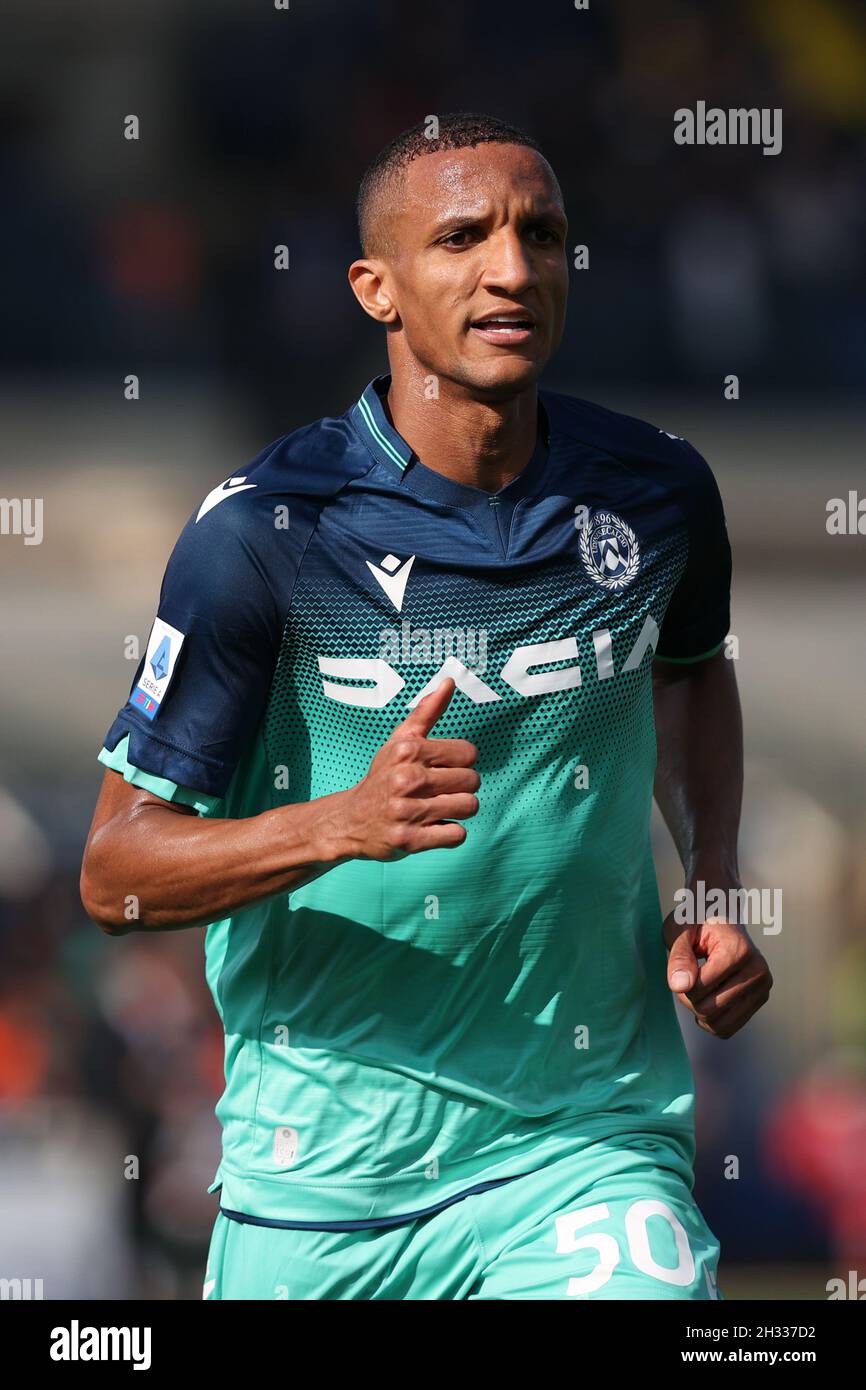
[{"x": 459, "y": 221}]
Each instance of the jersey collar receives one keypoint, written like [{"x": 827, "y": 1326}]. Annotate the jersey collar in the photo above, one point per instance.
[
  {"x": 371, "y": 421},
  {"x": 390, "y": 448}
]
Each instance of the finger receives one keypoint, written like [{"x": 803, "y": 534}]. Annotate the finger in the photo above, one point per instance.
[
  {"x": 726, "y": 952},
  {"x": 447, "y": 752},
  {"x": 749, "y": 980},
  {"x": 456, "y": 806},
  {"x": 731, "y": 1020},
  {"x": 720, "y": 967},
  {"x": 682, "y": 964},
  {"x": 425, "y": 714},
  {"x": 441, "y": 780},
  {"x": 446, "y": 836}
]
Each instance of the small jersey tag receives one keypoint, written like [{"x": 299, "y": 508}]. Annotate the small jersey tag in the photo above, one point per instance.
[
  {"x": 285, "y": 1146},
  {"x": 163, "y": 649}
]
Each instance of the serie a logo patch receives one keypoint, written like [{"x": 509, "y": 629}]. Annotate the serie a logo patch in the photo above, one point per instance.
[
  {"x": 609, "y": 551},
  {"x": 163, "y": 649}
]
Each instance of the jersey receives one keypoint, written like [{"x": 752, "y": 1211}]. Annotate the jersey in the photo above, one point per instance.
[{"x": 399, "y": 1033}]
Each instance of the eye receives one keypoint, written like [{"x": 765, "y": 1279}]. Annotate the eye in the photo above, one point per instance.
[
  {"x": 458, "y": 239},
  {"x": 545, "y": 236}
]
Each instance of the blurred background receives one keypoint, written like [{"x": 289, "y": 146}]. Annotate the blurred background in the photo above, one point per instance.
[{"x": 154, "y": 257}]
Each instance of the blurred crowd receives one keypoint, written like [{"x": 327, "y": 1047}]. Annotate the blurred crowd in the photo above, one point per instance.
[
  {"x": 255, "y": 126},
  {"x": 155, "y": 256}
]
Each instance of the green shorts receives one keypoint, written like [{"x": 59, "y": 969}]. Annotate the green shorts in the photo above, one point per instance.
[{"x": 617, "y": 1220}]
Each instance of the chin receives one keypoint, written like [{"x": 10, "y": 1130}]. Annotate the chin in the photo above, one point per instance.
[{"x": 503, "y": 377}]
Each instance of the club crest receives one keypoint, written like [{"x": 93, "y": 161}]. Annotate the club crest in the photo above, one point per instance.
[{"x": 609, "y": 551}]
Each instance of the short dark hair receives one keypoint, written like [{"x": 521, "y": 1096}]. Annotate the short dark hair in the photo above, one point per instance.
[{"x": 457, "y": 131}]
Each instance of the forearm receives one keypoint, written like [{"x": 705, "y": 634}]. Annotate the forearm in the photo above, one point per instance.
[
  {"x": 699, "y": 775},
  {"x": 163, "y": 870}
]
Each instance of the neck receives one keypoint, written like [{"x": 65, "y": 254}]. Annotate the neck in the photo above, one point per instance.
[{"x": 484, "y": 444}]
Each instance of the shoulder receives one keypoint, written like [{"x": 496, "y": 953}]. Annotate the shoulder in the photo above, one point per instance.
[
  {"x": 654, "y": 453},
  {"x": 253, "y": 526},
  {"x": 307, "y": 467}
]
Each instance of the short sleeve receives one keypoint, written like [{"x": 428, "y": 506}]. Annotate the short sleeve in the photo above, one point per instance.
[
  {"x": 698, "y": 615},
  {"x": 201, "y": 689},
  {"x": 118, "y": 761}
]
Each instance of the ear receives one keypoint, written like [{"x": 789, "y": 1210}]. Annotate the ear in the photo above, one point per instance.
[{"x": 370, "y": 285}]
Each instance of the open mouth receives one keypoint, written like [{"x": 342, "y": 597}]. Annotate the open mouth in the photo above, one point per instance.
[{"x": 504, "y": 328}]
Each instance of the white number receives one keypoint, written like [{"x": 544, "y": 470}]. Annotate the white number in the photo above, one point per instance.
[
  {"x": 639, "y": 1246},
  {"x": 609, "y": 1254},
  {"x": 608, "y": 1250}
]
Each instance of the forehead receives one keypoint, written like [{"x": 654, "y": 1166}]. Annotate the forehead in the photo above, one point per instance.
[{"x": 465, "y": 181}]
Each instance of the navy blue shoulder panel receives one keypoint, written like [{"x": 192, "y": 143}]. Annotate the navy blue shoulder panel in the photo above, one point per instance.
[
  {"x": 653, "y": 453},
  {"x": 201, "y": 689},
  {"x": 698, "y": 614}
]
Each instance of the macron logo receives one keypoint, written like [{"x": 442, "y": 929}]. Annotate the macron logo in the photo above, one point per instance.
[
  {"x": 393, "y": 577},
  {"x": 219, "y": 494}
]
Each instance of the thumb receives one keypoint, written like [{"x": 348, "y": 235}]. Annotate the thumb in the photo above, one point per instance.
[
  {"x": 425, "y": 714},
  {"x": 682, "y": 961}
]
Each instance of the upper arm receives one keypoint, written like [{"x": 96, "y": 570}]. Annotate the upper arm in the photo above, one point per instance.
[
  {"x": 119, "y": 803},
  {"x": 667, "y": 674},
  {"x": 698, "y": 615},
  {"x": 119, "y": 807}
]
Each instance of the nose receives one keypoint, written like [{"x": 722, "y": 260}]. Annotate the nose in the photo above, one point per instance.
[{"x": 508, "y": 265}]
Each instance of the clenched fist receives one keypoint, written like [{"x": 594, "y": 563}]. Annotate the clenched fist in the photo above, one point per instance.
[{"x": 733, "y": 982}]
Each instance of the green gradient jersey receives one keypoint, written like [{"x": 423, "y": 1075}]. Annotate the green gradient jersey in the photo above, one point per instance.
[{"x": 399, "y": 1033}]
